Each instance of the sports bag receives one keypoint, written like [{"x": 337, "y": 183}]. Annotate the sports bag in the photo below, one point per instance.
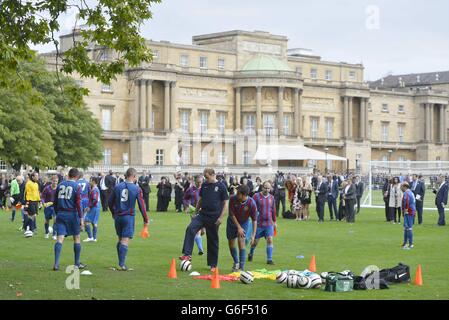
[
  {"x": 288, "y": 215},
  {"x": 398, "y": 274},
  {"x": 337, "y": 282},
  {"x": 371, "y": 281}
]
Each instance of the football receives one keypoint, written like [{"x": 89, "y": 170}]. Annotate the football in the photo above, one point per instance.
[
  {"x": 292, "y": 281},
  {"x": 186, "y": 265},
  {"x": 315, "y": 281},
  {"x": 281, "y": 277},
  {"x": 246, "y": 277},
  {"x": 303, "y": 282}
]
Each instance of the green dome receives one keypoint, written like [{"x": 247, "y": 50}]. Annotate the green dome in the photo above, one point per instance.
[{"x": 266, "y": 63}]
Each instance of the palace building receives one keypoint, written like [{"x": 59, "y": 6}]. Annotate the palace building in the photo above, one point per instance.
[{"x": 213, "y": 102}]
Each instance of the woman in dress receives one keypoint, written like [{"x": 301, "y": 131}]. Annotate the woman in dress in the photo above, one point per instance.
[
  {"x": 306, "y": 197},
  {"x": 296, "y": 201},
  {"x": 395, "y": 202}
]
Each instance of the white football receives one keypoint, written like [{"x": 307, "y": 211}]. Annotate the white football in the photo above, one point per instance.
[
  {"x": 303, "y": 282},
  {"x": 281, "y": 277},
  {"x": 186, "y": 265},
  {"x": 315, "y": 281},
  {"x": 293, "y": 272},
  {"x": 246, "y": 277},
  {"x": 28, "y": 234},
  {"x": 292, "y": 281}
]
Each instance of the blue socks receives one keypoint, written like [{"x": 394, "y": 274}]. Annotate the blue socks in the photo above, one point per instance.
[
  {"x": 242, "y": 259},
  {"x": 405, "y": 236},
  {"x": 234, "y": 254},
  {"x": 270, "y": 253},
  {"x": 410, "y": 237},
  {"x": 251, "y": 251},
  {"x": 199, "y": 242},
  {"x": 58, "y": 247},
  {"x": 89, "y": 232},
  {"x": 46, "y": 228},
  {"x": 13, "y": 215},
  {"x": 95, "y": 232},
  {"x": 122, "y": 252},
  {"x": 77, "y": 250}
]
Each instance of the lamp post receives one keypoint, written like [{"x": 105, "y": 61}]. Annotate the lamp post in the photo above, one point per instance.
[
  {"x": 325, "y": 167},
  {"x": 389, "y": 160}
]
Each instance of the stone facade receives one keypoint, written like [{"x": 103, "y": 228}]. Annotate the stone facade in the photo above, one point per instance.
[{"x": 198, "y": 104}]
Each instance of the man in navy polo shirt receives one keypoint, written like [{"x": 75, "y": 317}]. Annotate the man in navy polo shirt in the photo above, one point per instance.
[{"x": 211, "y": 208}]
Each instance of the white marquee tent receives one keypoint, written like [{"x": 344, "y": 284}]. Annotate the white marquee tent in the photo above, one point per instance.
[{"x": 289, "y": 152}]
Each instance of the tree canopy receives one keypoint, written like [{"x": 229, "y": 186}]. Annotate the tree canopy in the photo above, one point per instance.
[
  {"x": 44, "y": 126},
  {"x": 110, "y": 23}
]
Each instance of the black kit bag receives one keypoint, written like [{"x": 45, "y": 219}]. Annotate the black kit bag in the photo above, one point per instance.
[
  {"x": 371, "y": 281},
  {"x": 288, "y": 215},
  {"x": 398, "y": 274}
]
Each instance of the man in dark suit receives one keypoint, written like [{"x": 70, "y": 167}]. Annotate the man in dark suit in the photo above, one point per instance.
[
  {"x": 386, "y": 196},
  {"x": 419, "y": 190},
  {"x": 321, "y": 196},
  {"x": 441, "y": 199},
  {"x": 332, "y": 196},
  {"x": 144, "y": 184},
  {"x": 279, "y": 193},
  {"x": 350, "y": 196},
  {"x": 359, "y": 187}
]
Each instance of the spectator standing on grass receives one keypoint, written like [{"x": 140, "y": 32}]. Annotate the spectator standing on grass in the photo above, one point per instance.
[
  {"x": 419, "y": 190},
  {"x": 386, "y": 196},
  {"x": 395, "y": 201},
  {"x": 441, "y": 199}
]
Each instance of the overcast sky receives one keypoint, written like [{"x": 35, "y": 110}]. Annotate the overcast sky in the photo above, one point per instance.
[{"x": 400, "y": 36}]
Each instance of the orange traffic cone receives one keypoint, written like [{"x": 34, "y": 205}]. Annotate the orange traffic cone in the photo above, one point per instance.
[
  {"x": 418, "y": 276},
  {"x": 172, "y": 273},
  {"x": 216, "y": 279},
  {"x": 312, "y": 266}
]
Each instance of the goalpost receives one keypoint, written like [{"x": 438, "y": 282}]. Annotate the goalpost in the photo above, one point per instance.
[{"x": 379, "y": 171}]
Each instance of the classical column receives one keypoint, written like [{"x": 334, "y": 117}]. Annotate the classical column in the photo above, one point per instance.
[
  {"x": 431, "y": 124},
  {"x": 142, "y": 104},
  {"x": 297, "y": 117},
  {"x": 167, "y": 106},
  {"x": 258, "y": 109},
  {"x": 238, "y": 112},
  {"x": 366, "y": 118},
  {"x": 441, "y": 120},
  {"x": 362, "y": 118},
  {"x": 427, "y": 122},
  {"x": 173, "y": 107},
  {"x": 445, "y": 123},
  {"x": 281, "y": 111},
  {"x": 149, "y": 104},
  {"x": 135, "y": 114},
  {"x": 350, "y": 131},
  {"x": 345, "y": 117}
]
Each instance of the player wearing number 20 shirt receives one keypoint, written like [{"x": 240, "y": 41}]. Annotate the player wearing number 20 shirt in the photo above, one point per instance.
[{"x": 69, "y": 219}]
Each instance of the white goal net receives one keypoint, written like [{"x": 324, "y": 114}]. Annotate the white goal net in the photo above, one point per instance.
[{"x": 380, "y": 171}]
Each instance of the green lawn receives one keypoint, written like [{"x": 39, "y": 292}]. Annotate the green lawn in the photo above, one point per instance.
[{"x": 25, "y": 264}]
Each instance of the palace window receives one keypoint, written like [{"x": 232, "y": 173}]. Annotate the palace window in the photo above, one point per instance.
[
  {"x": 221, "y": 64},
  {"x": 329, "y": 128},
  {"x": 203, "y": 158},
  {"x": 222, "y": 159},
  {"x": 204, "y": 118},
  {"x": 313, "y": 73},
  {"x": 250, "y": 124},
  {"x": 155, "y": 54},
  {"x": 314, "y": 127},
  {"x": 185, "y": 121},
  {"x": 328, "y": 75},
  {"x": 104, "y": 55},
  {"x": 401, "y": 130},
  {"x": 160, "y": 157},
  {"x": 221, "y": 122},
  {"x": 401, "y": 108},
  {"x": 106, "y": 87},
  {"x": 107, "y": 155},
  {"x": 287, "y": 127},
  {"x": 269, "y": 124},
  {"x": 385, "y": 127},
  {"x": 352, "y": 76},
  {"x": 184, "y": 60},
  {"x": 203, "y": 62},
  {"x": 2, "y": 165},
  {"x": 106, "y": 118},
  {"x": 185, "y": 156},
  {"x": 246, "y": 158},
  {"x": 384, "y": 107}
]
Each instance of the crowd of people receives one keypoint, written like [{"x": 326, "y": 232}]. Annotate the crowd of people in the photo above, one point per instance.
[{"x": 74, "y": 203}]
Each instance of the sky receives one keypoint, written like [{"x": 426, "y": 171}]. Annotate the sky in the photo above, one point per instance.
[{"x": 388, "y": 37}]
